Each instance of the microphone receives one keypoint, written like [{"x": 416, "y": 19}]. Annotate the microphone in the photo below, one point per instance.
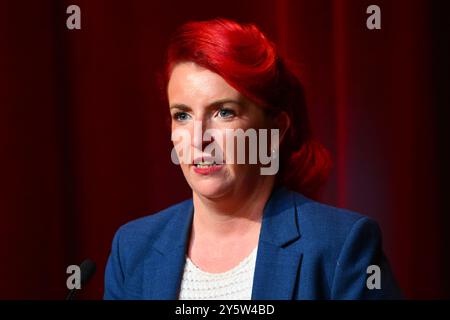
[{"x": 87, "y": 270}]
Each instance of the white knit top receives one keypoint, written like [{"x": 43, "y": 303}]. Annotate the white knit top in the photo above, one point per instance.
[{"x": 234, "y": 284}]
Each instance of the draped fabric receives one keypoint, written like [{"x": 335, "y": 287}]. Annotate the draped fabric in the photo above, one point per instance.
[{"x": 85, "y": 143}]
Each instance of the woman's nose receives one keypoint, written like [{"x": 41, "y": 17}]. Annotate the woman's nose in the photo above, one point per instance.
[{"x": 199, "y": 129}]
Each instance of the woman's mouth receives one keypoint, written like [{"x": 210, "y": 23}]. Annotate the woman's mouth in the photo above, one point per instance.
[{"x": 206, "y": 167}]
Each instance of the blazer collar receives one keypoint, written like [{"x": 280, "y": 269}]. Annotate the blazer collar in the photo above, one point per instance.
[
  {"x": 175, "y": 234},
  {"x": 279, "y": 225},
  {"x": 277, "y": 263},
  {"x": 278, "y": 259}
]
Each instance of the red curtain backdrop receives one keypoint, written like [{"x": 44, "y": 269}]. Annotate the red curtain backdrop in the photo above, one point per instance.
[{"x": 85, "y": 145}]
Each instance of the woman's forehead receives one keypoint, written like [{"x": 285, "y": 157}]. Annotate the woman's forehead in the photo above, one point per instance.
[{"x": 193, "y": 84}]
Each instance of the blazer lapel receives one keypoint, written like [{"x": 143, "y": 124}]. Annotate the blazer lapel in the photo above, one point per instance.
[
  {"x": 279, "y": 256},
  {"x": 164, "y": 266}
]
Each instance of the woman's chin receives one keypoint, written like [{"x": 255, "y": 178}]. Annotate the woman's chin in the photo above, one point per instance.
[{"x": 210, "y": 188}]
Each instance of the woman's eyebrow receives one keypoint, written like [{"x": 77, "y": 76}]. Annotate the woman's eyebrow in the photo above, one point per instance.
[
  {"x": 180, "y": 106},
  {"x": 240, "y": 103},
  {"x": 223, "y": 101},
  {"x": 216, "y": 103}
]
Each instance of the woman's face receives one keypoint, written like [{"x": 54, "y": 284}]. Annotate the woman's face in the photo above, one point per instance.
[{"x": 197, "y": 95}]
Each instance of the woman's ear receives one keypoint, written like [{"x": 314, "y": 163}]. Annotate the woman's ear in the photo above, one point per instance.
[{"x": 282, "y": 122}]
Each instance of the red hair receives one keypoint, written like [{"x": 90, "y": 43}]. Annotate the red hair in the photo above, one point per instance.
[{"x": 249, "y": 62}]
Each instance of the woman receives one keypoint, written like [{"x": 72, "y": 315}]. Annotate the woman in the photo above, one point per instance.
[{"x": 244, "y": 234}]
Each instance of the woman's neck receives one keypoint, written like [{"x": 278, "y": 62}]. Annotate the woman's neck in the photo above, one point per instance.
[{"x": 233, "y": 216}]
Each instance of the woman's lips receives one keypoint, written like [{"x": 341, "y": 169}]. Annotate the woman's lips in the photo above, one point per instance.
[{"x": 208, "y": 169}]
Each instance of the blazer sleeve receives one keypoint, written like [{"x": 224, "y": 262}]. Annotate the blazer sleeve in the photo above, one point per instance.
[
  {"x": 114, "y": 275},
  {"x": 363, "y": 248}
]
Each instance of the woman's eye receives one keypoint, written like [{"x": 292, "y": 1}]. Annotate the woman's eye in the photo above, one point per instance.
[
  {"x": 226, "y": 113},
  {"x": 181, "y": 116}
]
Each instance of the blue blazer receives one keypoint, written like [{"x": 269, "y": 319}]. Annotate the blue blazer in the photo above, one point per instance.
[{"x": 307, "y": 250}]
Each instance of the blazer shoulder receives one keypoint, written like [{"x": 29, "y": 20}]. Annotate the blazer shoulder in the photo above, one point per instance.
[
  {"x": 328, "y": 225},
  {"x": 147, "y": 228}
]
